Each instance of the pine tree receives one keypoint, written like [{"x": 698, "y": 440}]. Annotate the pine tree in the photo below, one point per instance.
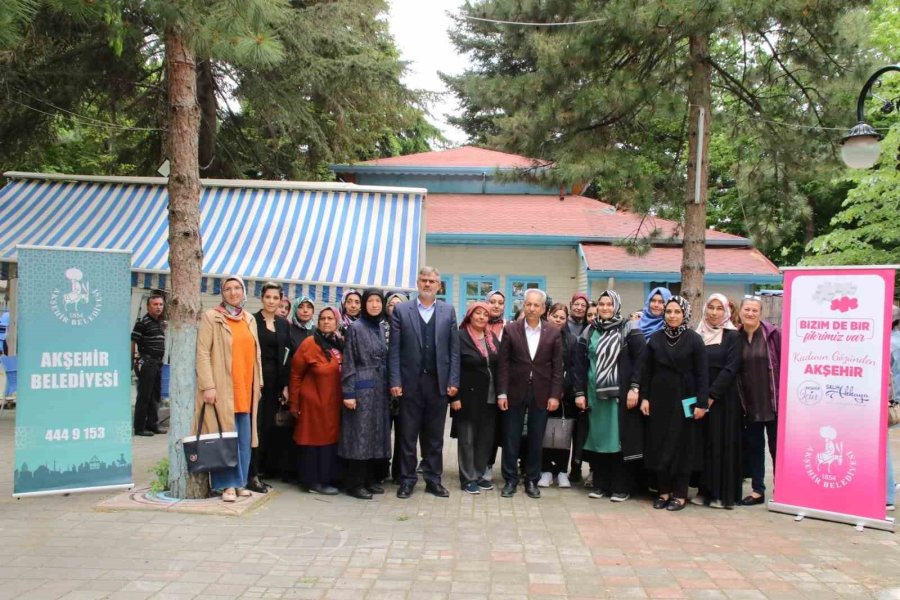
[{"x": 616, "y": 99}]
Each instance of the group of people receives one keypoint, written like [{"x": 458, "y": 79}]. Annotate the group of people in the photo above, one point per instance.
[{"x": 647, "y": 401}]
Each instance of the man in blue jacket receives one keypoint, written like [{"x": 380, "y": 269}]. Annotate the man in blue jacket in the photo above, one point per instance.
[{"x": 424, "y": 371}]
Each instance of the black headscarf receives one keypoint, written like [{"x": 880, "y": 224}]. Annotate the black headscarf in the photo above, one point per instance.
[{"x": 364, "y": 313}]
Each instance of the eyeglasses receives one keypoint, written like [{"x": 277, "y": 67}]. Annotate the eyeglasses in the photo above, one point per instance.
[{"x": 423, "y": 280}]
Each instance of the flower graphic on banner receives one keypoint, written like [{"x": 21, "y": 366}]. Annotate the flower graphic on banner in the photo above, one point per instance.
[{"x": 840, "y": 296}]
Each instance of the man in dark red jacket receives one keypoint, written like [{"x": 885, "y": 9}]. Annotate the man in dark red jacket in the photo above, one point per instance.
[{"x": 530, "y": 376}]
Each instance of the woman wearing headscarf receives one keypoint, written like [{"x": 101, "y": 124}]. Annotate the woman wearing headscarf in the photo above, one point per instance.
[
  {"x": 274, "y": 455},
  {"x": 351, "y": 308},
  {"x": 606, "y": 385},
  {"x": 393, "y": 300},
  {"x": 229, "y": 378},
  {"x": 365, "y": 417},
  {"x": 674, "y": 394},
  {"x": 496, "y": 300},
  {"x": 652, "y": 316},
  {"x": 474, "y": 408},
  {"x": 720, "y": 481},
  {"x": 302, "y": 324},
  {"x": 315, "y": 393}
]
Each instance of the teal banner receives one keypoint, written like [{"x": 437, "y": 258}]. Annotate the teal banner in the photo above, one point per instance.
[{"x": 73, "y": 414}]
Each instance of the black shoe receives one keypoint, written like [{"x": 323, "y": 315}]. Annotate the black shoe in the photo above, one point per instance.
[
  {"x": 484, "y": 484},
  {"x": 358, "y": 492},
  {"x": 144, "y": 433},
  {"x": 404, "y": 491},
  {"x": 532, "y": 490},
  {"x": 509, "y": 490},
  {"x": 255, "y": 485},
  {"x": 752, "y": 501},
  {"x": 660, "y": 503},
  {"x": 436, "y": 489},
  {"x": 676, "y": 504},
  {"x": 324, "y": 489},
  {"x": 160, "y": 431},
  {"x": 375, "y": 488},
  {"x": 575, "y": 475}
]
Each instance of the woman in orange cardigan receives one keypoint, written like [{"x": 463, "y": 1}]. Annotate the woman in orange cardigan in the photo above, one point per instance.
[{"x": 316, "y": 399}]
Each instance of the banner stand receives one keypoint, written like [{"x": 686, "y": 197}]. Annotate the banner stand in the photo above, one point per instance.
[
  {"x": 833, "y": 387},
  {"x": 99, "y": 488},
  {"x": 860, "y": 522}
]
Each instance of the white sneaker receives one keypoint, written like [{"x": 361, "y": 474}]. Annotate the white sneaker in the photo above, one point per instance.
[
  {"x": 545, "y": 480},
  {"x": 488, "y": 473},
  {"x": 562, "y": 480}
]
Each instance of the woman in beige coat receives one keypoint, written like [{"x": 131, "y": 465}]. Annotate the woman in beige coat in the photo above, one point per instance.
[{"x": 229, "y": 377}]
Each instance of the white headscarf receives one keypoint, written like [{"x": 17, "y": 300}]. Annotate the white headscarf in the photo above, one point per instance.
[{"x": 712, "y": 334}]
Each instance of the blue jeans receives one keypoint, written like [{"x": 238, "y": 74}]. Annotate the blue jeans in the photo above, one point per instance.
[
  {"x": 891, "y": 482},
  {"x": 236, "y": 477}
]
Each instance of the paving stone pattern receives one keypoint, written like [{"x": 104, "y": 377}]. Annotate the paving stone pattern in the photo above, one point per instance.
[{"x": 465, "y": 547}]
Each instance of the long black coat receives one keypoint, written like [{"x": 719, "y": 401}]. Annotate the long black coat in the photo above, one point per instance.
[
  {"x": 475, "y": 375},
  {"x": 670, "y": 374},
  {"x": 366, "y": 431},
  {"x": 722, "y": 425},
  {"x": 631, "y": 422}
]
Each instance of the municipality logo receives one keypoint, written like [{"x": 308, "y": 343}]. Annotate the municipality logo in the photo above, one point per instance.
[
  {"x": 832, "y": 467},
  {"x": 80, "y": 305}
]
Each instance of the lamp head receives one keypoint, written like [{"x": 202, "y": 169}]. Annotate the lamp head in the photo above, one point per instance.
[{"x": 860, "y": 147}]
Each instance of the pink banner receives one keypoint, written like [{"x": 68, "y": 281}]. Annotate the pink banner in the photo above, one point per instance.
[{"x": 832, "y": 414}]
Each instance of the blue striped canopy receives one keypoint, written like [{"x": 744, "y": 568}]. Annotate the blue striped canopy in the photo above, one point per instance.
[{"x": 332, "y": 237}]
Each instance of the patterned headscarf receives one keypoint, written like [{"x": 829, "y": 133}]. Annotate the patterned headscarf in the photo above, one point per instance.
[
  {"x": 712, "y": 334},
  {"x": 230, "y": 311},
  {"x": 649, "y": 323},
  {"x": 606, "y": 340},
  {"x": 488, "y": 334},
  {"x": 310, "y": 325},
  {"x": 674, "y": 334},
  {"x": 345, "y": 318}
]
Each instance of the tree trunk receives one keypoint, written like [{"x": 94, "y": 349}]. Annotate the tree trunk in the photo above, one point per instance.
[
  {"x": 206, "y": 98},
  {"x": 693, "y": 261},
  {"x": 185, "y": 255}
]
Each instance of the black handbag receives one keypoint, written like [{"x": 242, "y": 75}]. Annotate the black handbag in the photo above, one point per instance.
[
  {"x": 558, "y": 434},
  {"x": 205, "y": 452},
  {"x": 283, "y": 416}
]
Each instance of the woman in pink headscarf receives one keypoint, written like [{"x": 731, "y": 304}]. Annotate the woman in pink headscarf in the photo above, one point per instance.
[
  {"x": 720, "y": 481},
  {"x": 475, "y": 405}
]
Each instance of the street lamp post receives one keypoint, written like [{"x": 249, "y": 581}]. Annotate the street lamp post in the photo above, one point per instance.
[{"x": 860, "y": 148}]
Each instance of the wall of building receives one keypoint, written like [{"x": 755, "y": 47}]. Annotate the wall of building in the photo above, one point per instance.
[
  {"x": 634, "y": 293},
  {"x": 556, "y": 269}
]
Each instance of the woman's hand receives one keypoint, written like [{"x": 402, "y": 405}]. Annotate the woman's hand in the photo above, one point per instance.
[
  {"x": 632, "y": 399},
  {"x": 456, "y": 405},
  {"x": 350, "y": 403},
  {"x": 645, "y": 407},
  {"x": 581, "y": 403},
  {"x": 699, "y": 413},
  {"x": 209, "y": 396},
  {"x": 284, "y": 393}
]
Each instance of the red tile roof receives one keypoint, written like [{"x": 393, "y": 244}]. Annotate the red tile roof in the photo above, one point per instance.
[
  {"x": 575, "y": 216},
  {"x": 721, "y": 261},
  {"x": 464, "y": 156}
]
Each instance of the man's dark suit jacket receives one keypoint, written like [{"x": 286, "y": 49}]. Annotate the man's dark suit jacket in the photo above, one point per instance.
[
  {"x": 405, "y": 352},
  {"x": 546, "y": 370}
]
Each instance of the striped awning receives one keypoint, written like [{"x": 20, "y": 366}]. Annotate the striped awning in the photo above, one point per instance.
[{"x": 324, "y": 237}]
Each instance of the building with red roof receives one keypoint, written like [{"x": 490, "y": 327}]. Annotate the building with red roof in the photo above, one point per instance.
[{"x": 485, "y": 230}]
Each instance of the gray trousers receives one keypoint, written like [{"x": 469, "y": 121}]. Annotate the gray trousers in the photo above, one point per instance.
[{"x": 474, "y": 444}]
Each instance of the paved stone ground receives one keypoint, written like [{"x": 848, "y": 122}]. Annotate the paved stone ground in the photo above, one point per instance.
[{"x": 468, "y": 547}]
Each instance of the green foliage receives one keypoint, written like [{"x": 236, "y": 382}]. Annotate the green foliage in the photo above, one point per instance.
[
  {"x": 867, "y": 229},
  {"x": 605, "y": 101},
  {"x": 161, "y": 470},
  {"x": 297, "y": 86},
  {"x": 13, "y": 15}
]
